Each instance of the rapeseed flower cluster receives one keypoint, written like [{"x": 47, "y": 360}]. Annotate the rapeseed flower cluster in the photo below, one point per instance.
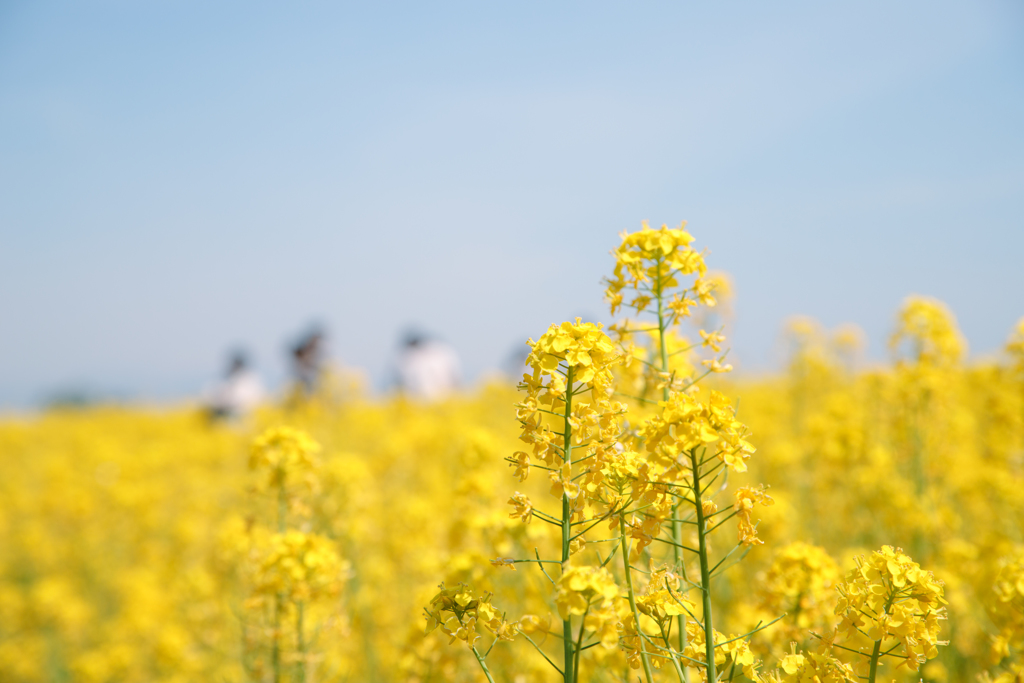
[
  {"x": 651, "y": 261},
  {"x": 685, "y": 422},
  {"x": 800, "y": 583},
  {"x": 293, "y": 577},
  {"x": 1007, "y": 609},
  {"x": 300, "y": 567},
  {"x": 891, "y": 601}
]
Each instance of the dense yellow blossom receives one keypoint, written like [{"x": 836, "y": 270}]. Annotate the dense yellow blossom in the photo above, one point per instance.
[
  {"x": 299, "y": 566},
  {"x": 578, "y": 587},
  {"x": 1007, "y": 609},
  {"x": 285, "y": 454},
  {"x": 649, "y": 259},
  {"x": 928, "y": 327},
  {"x": 584, "y": 347},
  {"x": 458, "y": 612},
  {"x": 889, "y": 597},
  {"x": 685, "y": 422},
  {"x": 811, "y": 667},
  {"x": 145, "y": 545},
  {"x": 746, "y": 498},
  {"x": 801, "y": 584}
]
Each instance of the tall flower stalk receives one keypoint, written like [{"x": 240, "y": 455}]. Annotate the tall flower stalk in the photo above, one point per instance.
[
  {"x": 665, "y": 277},
  {"x": 295, "y": 569},
  {"x": 649, "y": 478},
  {"x": 570, "y": 360}
]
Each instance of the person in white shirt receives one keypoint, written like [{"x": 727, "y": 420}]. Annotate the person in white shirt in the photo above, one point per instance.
[
  {"x": 427, "y": 369},
  {"x": 238, "y": 393}
]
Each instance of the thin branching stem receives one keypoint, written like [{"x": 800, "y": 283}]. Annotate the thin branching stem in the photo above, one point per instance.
[
  {"x": 705, "y": 576},
  {"x": 540, "y": 564},
  {"x": 568, "y": 674},
  {"x": 624, "y": 547},
  {"x": 579, "y": 642},
  {"x": 542, "y": 654}
]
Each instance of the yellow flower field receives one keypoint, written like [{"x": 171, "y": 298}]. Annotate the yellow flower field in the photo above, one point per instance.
[{"x": 626, "y": 510}]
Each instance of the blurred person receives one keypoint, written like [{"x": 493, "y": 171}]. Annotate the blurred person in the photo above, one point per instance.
[
  {"x": 238, "y": 393},
  {"x": 428, "y": 369},
  {"x": 308, "y": 357}
]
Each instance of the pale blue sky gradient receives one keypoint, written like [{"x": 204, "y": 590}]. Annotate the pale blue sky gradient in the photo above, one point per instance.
[{"x": 178, "y": 178}]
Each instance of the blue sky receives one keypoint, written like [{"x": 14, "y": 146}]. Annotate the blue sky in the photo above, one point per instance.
[{"x": 179, "y": 178}]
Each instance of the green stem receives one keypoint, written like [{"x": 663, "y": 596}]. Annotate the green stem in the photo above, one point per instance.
[
  {"x": 677, "y": 551},
  {"x": 705, "y": 572},
  {"x": 541, "y": 652},
  {"x": 282, "y": 525},
  {"x": 275, "y": 649},
  {"x": 300, "y": 668},
  {"x": 677, "y": 527},
  {"x": 483, "y": 665},
  {"x": 632, "y": 600},
  {"x": 680, "y": 671},
  {"x": 567, "y": 642},
  {"x": 918, "y": 470},
  {"x": 660, "y": 296},
  {"x": 873, "y": 671},
  {"x": 579, "y": 642},
  {"x": 877, "y": 651},
  {"x": 282, "y": 509}
]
